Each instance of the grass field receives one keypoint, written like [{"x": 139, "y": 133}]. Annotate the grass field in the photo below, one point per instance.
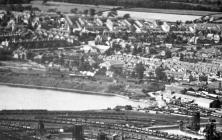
[
  {"x": 137, "y": 13},
  {"x": 66, "y": 7},
  {"x": 169, "y": 11}
]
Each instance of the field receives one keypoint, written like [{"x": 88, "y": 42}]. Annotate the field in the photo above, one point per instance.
[
  {"x": 169, "y": 11},
  {"x": 137, "y": 13},
  {"x": 66, "y": 7}
]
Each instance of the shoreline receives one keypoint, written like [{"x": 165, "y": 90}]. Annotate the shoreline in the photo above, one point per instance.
[
  {"x": 57, "y": 89},
  {"x": 68, "y": 90}
]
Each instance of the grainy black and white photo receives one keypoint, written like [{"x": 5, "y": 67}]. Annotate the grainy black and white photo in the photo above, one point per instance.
[{"x": 110, "y": 69}]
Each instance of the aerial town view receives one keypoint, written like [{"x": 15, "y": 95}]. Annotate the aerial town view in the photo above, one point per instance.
[{"x": 110, "y": 70}]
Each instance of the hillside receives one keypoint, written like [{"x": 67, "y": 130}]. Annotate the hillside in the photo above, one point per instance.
[{"x": 201, "y": 5}]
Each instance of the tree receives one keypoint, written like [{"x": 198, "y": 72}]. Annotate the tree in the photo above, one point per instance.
[
  {"x": 86, "y": 12},
  {"x": 85, "y": 66},
  {"x": 52, "y": 10},
  {"x": 150, "y": 75},
  {"x": 74, "y": 11},
  {"x": 215, "y": 104},
  {"x": 219, "y": 86},
  {"x": 203, "y": 78},
  {"x": 191, "y": 89},
  {"x": 5, "y": 54},
  {"x": 14, "y": 1},
  {"x": 31, "y": 55},
  {"x": 44, "y": 1},
  {"x": 172, "y": 79},
  {"x": 153, "y": 87},
  {"x": 92, "y": 12},
  {"x": 99, "y": 13},
  {"x": 191, "y": 78},
  {"x": 126, "y": 16},
  {"x": 184, "y": 91},
  {"x": 160, "y": 74},
  {"x": 153, "y": 51},
  {"x": 132, "y": 28},
  {"x": 140, "y": 70},
  {"x": 135, "y": 51},
  {"x": 128, "y": 107},
  {"x": 168, "y": 54},
  {"x": 112, "y": 13},
  {"x": 181, "y": 57}
]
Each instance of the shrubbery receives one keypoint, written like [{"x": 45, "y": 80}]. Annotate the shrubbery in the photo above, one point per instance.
[
  {"x": 153, "y": 87},
  {"x": 52, "y": 10},
  {"x": 163, "y": 4},
  {"x": 115, "y": 88},
  {"x": 14, "y": 1},
  {"x": 20, "y": 8},
  {"x": 5, "y": 54}
]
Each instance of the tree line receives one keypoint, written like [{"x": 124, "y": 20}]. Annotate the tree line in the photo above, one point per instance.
[
  {"x": 162, "y": 4},
  {"x": 207, "y": 5},
  {"x": 14, "y": 1}
]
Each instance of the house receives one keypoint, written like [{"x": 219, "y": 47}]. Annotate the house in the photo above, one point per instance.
[{"x": 109, "y": 24}]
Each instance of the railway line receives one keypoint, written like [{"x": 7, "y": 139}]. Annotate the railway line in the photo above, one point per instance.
[
  {"x": 135, "y": 132},
  {"x": 124, "y": 116}
]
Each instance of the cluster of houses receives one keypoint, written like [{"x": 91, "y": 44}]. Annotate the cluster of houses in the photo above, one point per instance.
[
  {"x": 101, "y": 24},
  {"x": 120, "y": 41},
  {"x": 128, "y": 63},
  {"x": 179, "y": 69}
]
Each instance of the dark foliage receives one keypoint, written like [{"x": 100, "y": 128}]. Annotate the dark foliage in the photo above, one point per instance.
[
  {"x": 215, "y": 104},
  {"x": 153, "y": 87},
  {"x": 203, "y": 78},
  {"x": 163, "y": 4},
  {"x": 92, "y": 12},
  {"x": 126, "y": 16},
  {"x": 74, "y": 11},
  {"x": 168, "y": 54},
  {"x": 44, "y": 1},
  {"x": 5, "y": 54},
  {"x": 14, "y": 1},
  {"x": 160, "y": 74},
  {"x": 140, "y": 70},
  {"x": 128, "y": 107}
]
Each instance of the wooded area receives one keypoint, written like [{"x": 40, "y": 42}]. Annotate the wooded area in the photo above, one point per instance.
[
  {"x": 202, "y": 5},
  {"x": 14, "y": 1}
]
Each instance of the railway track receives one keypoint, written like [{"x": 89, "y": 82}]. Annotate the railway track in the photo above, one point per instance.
[
  {"x": 139, "y": 133},
  {"x": 45, "y": 112},
  {"x": 122, "y": 116}
]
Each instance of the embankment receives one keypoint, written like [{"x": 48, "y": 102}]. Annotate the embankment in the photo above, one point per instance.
[{"x": 57, "y": 89}]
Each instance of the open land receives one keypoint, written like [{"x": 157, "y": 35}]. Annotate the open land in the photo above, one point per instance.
[
  {"x": 66, "y": 7},
  {"x": 170, "y": 11},
  {"x": 63, "y": 82}
]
